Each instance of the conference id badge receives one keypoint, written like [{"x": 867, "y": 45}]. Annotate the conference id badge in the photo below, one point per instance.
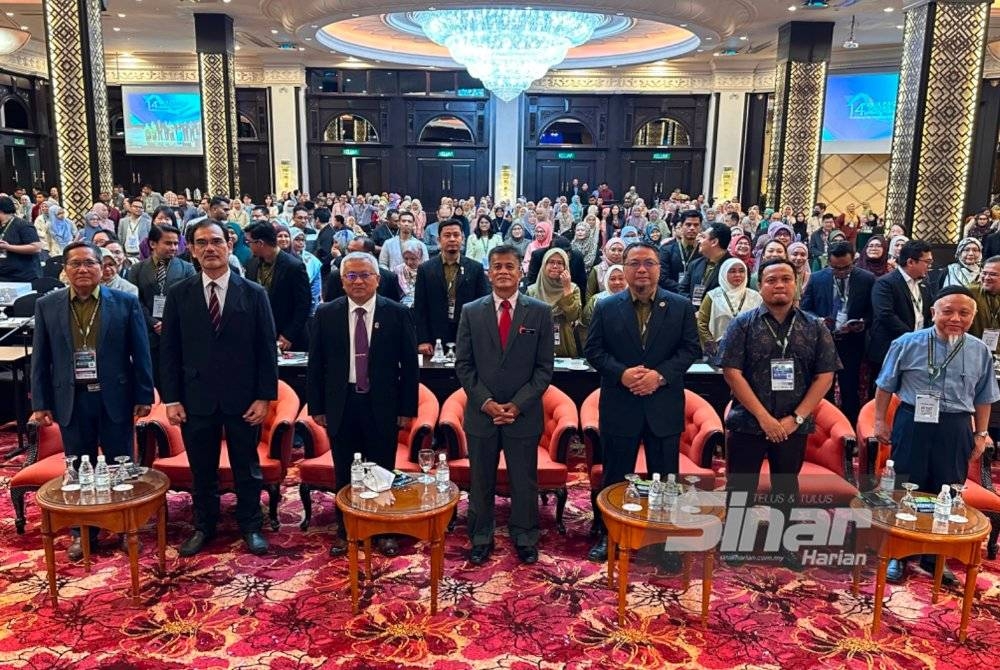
[
  {"x": 132, "y": 244},
  {"x": 991, "y": 338},
  {"x": 927, "y": 408},
  {"x": 451, "y": 310},
  {"x": 681, "y": 277},
  {"x": 782, "y": 374},
  {"x": 697, "y": 294},
  {"x": 85, "y": 365},
  {"x": 158, "y": 303},
  {"x": 556, "y": 339}
]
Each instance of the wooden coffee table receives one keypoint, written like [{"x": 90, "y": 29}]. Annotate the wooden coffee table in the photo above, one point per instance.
[
  {"x": 631, "y": 531},
  {"x": 118, "y": 512},
  {"x": 893, "y": 538},
  {"x": 416, "y": 510}
]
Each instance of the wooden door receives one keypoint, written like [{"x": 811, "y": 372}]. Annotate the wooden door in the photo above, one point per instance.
[
  {"x": 549, "y": 179},
  {"x": 336, "y": 174},
  {"x": 462, "y": 179},
  {"x": 369, "y": 172},
  {"x": 432, "y": 176}
]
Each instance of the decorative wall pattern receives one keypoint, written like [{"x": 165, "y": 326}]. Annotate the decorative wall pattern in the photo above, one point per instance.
[
  {"x": 801, "y": 140},
  {"x": 233, "y": 154},
  {"x": 567, "y": 82},
  {"x": 102, "y": 130},
  {"x": 857, "y": 178},
  {"x": 217, "y": 134},
  {"x": 141, "y": 71},
  {"x": 774, "y": 159}
]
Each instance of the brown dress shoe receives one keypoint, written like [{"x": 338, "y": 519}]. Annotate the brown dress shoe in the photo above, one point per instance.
[{"x": 338, "y": 547}]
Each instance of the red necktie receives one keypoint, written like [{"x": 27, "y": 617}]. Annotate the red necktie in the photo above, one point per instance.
[{"x": 504, "y": 323}]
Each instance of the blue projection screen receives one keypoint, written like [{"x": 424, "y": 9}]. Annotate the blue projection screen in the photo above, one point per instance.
[
  {"x": 162, "y": 120},
  {"x": 859, "y": 112}
]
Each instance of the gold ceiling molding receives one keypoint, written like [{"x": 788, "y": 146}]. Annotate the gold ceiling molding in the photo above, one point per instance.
[
  {"x": 26, "y": 62},
  {"x": 135, "y": 70},
  {"x": 646, "y": 83}
]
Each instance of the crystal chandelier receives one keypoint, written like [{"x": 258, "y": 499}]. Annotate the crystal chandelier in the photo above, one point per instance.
[{"x": 505, "y": 48}]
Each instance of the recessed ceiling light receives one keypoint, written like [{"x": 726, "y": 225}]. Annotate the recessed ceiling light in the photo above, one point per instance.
[
  {"x": 619, "y": 13},
  {"x": 743, "y": 38},
  {"x": 116, "y": 29},
  {"x": 120, "y": 15},
  {"x": 24, "y": 27},
  {"x": 227, "y": 1},
  {"x": 237, "y": 47},
  {"x": 792, "y": 8},
  {"x": 701, "y": 50},
  {"x": 314, "y": 26},
  {"x": 355, "y": 15},
  {"x": 273, "y": 31},
  {"x": 708, "y": 39},
  {"x": 684, "y": 25},
  {"x": 9, "y": 13},
  {"x": 302, "y": 48},
  {"x": 888, "y": 9},
  {"x": 309, "y": 39},
  {"x": 431, "y": 9}
]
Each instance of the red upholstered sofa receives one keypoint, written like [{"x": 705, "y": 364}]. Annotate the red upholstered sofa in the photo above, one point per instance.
[
  {"x": 561, "y": 421},
  {"x": 316, "y": 470}
]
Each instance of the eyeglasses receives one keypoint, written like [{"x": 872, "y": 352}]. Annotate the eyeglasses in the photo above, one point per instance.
[
  {"x": 88, "y": 263},
  {"x": 634, "y": 265},
  {"x": 363, "y": 276},
  {"x": 214, "y": 242}
]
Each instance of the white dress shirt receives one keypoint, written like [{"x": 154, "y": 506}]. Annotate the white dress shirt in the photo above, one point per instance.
[
  {"x": 917, "y": 299},
  {"x": 352, "y": 319},
  {"x": 496, "y": 305},
  {"x": 221, "y": 288}
]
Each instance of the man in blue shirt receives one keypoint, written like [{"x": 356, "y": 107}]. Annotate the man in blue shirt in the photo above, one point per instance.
[{"x": 944, "y": 377}]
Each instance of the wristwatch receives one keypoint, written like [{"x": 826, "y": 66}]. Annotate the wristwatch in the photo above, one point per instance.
[
  {"x": 983, "y": 433},
  {"x": 799, "y": 420}
]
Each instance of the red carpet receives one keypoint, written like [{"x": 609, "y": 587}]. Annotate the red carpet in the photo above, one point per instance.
[{"x": 291, "y": 609}]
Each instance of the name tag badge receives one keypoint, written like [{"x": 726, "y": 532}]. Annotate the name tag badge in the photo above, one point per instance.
[
  {"x": 555, "y": 335},
  {"x": 85, "y": 365},
  {"x": 132, "y": 244},
  {"x": 783, "y": 374},
  {"x": 927, "y": 409},
  {"x": 697, "y": 294},
  {"x": 681, "y": 277},
  {"x": 991, "y": 338},
  {"x": 158, "y": 302},
  {"x": 841, "y": 320},
  {"x": 451, "y": 311}
]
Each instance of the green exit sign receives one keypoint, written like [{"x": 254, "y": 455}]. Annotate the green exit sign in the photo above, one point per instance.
[
  {"x": 446, "y": 153},
  {"x": 352, "y": 152},
  {"x": 566, "y": 155},
  {"x": 661, "y": 157},
  {"x": 19, "y": 142}
]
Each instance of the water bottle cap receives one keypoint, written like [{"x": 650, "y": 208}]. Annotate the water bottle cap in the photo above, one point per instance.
[
  {"x": 671, "y": 478},
  {"x": 85, "y": 458},
  {"x": 441, "y": 457},
  {"x": 357, "y": 456},
  {"x": 100, "y": 458},
  {"x": 656, "y": 476},
  {"x": 890, "y": 463},
  {"x": 945, "y": 488}
]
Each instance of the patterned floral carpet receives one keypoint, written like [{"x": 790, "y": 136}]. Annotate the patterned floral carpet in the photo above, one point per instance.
[{"x": 291, "y": 608}]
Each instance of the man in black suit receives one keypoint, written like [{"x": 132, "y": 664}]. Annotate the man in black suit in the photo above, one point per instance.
[
  {"x": 362, "y": 377},
  {"x": 154, "y": 277},
  {"x": 504, "y": 358},
  {"x": 287, "y": 283},
  {"x": 444, "y": 285},
  {"x": 388, "y": 283},
  {"x": 218, "y": 371},
  {"x": 702, "y": 274},
  {"x": 677, "y": 255},
  {"x": 841, "y": 295},
  {"x": 641, "y": 342},
  {"x": 901, "y": 301}
]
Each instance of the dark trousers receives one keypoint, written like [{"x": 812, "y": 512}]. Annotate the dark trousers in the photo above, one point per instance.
[
  {"x": 203, "y": 443},
  {"x": 521, "y": 456},
  {"x": 850, "y": 349},
  {"x": 89, "y": 426},
  {"x": 620, "y": 453},
  {"x": 931, "y": 454},
  {"x": 359, "y": 432},
  {"x": 745, "y": 456}
]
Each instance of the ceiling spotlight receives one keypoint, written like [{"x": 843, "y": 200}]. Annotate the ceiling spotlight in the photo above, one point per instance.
[
  {"x": 116, "y": 29},
  {"x": 355, "y": 15},
  {"x": 888, "y": 10},
  {"x": 792, "y": 8},
  {"x": 899, "y": 27},
  {"x": 850, "y": 43},
  {"x": 743, "y": 38},
  {"x": 9, "y": 13},
  {"x": 309, "y": 39},
  {"x": 302, "y": 48},
  {"x": 314, "y": 26},
  {"x": 273, "y": 31},
  {"x": 684, "y": 25}
]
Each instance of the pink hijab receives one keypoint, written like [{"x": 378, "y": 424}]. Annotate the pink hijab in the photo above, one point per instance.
[{"x": 535, "y": 244}]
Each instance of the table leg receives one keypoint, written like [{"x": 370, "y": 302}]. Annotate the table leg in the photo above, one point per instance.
[
  {"x": 971, "y": 573},
  {"x": 938, "y": 575},
  {"x": 16, "y": 371},
  {"x": 706, "y": 584},
  {"x": 623, "y": 556},
  {"x": 883, "y": 565},
  {"x": 856, "y": 578},
  {"x": 85, "y": 545},
  {"x": 612, "y": 550},
  {"x": 686, "y": 574},
  {"x": 133, "y": 561},
  {"x": 352, "y": 567},
  {"x": 50, "y": 559},
  {"x": 367, "y": 545},
  {"x": 161, "y": 536},
  {"x": 437, "y": 558}
]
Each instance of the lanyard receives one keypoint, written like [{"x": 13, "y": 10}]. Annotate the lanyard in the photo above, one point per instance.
[
  {"x": 783, "y": 341},
  {"x": 709, "y": 273},
  {"x": 685, "y": 261},
  {"x": 842, "y": 294},
  {"x": 85, "y": 334},
  {"x": 736, "y": 311},
  {"x": 918, "y": 302},
  {"x": 934, "y": 371}
]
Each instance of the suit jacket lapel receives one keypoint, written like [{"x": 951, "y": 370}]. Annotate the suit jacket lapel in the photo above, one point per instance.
[
  {"x": 494, "y": 333},
  {"x": 66, "y": 323},
  {"x": 627, "y": 313},
  {"x": 234, "y": 301},
  {"x": 656, "y": 318},
  {"x": 376, "y": 334},
  {"x": 515, "y": 325},
  {"x": 107, "y": 304}
]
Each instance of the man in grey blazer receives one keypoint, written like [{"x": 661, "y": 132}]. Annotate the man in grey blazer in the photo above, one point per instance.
[{"x": 504, "y": 362}]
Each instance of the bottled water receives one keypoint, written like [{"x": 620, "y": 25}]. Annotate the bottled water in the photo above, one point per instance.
[
  {"x": 887, "y": 483},
  {"x": 438, "y": 356},
  {"x": 102, "y": 476},
  {"x": 655, "y": 500},
  {"x": 86, "y": 474},
  {"x": 942, "y": 505},
  {"x": 357, "y": 475},
  {"x": 671, "y": 491},
  {"x": 443, "y": 474}
]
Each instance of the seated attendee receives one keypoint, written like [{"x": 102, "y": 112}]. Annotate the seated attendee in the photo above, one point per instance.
[
  {"x": 723, "y": 304},
  {"x": 541, "y": 242},
  {"x": 391, "y": 254},
  {"x": 587, "y": 240},
  {"x": 555, "y": 287},
  {"x": 967, "y": 266},
  {"x": 798, "y": 254}
]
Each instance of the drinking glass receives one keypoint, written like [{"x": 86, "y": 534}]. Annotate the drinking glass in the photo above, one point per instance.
[
  {"x": 958, "y": 504},
  {"x": 450, "y": 356},
  {"x": 690, "y": 502},
  {"x": 908, "y": 502},
  {"x": 368, "y": 494},
  {"x": 633, "y": 499},
  {"x": 71, "y": 481},
  {"x": 426, "y": 459},
  {"x": 120, "y": 482}
]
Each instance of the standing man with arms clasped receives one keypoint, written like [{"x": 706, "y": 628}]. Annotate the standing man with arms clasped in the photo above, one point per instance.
[
  {"x": 218, "y": 371},
  {"x": 504, "y": 362},
  {"x": 90, "y": 367},
  {"x": 362, "y": 377},
  {"x": 641, "y": 342}
]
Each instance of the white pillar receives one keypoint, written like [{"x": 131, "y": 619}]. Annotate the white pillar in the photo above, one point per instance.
[
  {"x": 728, "y": 144},
  {"x": 506, "y": 149},
  {"x": 284, "y": 138}
]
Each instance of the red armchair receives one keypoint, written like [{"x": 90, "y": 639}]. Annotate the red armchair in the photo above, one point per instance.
[
  {"x": 980, "y": 492},
  {"x": 828, "y": 470},
  {"x": 561, "y": 421},
  {"x": 316, "y": 471},
  {"x": 45, "y": 461},
  {"x": 162, "y": 447}
]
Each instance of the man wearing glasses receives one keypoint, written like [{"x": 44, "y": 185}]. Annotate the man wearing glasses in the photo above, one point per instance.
[
  {"x": 986, "y": 325},
  {"x": 641, "y": 341},
  {"x": 362, "y": 376},
  {"x": 901, "y": 301},
  {"x": 218, "y": 372},
  {"x": 90, "y": 365}
]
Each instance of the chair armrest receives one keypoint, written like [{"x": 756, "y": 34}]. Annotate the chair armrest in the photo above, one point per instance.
[
  {"x": 592, "y": 445},
  {"x": 850, "y": 443},
  {"x": 280, "y": 448},
  {"x": 33, "y": 430},
  {"x": 314, "y": 439},
  {"x": 985, "y": 470},
  {"x": 455, "y": 443},
  {"x": 567, "y": 427},
  {"x": 703, "y": 445},
  {"x": 48, "y": 441}
]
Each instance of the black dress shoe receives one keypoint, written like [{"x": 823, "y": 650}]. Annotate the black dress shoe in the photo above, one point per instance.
[
  {"x": 480, "y": 553},
  {"x": 599, "y": 552},
  {"x": 256, "y": 543},
  {"x": 338, "y": 547},
  {"x": 670, "y": 562},
  {"x": 387, "y": 546},
  {"x": 928, "y": 563},
  {"x": 528, "y": 555},
  {"x": 194, "y": 544}
]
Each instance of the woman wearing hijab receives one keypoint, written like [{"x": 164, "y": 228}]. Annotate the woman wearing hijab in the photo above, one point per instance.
[
  {"x": 895, "y": 244},
  {"x": 543, "y": 240},
  {"x": 630, "y": 235},
  {"x": 515, "y": 238},
  {"x": 611, "y": 254},
  {"x": 722, "y": 304},
  {"x": 406, "y": 272},
  {"x": 554, "y": 287},
  {"x": 653, "y": 235},
  {"x": 875, "y": 256},
  {"x": 798, "y": 256},
  {"x": 565, "y": 219},
  {"x": 614, "y": 282},
  {"x": 576, "y": 207},
  {"x": 967, "y": 266},
  {"x": 739, "y": 247},
  {"x": 313, "y": 265},
  {"x": 60, "y": 233},
  {"x": 585, "y": 240}
]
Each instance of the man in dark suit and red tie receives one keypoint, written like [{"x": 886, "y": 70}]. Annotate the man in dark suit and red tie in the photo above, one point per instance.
[
  {"x": 218, "y": 371},
  {"x": 362, "y": 376},
  {"x": 641, "y": 341},
  {"x": 504, "y": 362}
]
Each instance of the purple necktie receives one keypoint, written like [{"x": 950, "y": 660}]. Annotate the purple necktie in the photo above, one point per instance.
[{"x": 360, "y": 352}]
